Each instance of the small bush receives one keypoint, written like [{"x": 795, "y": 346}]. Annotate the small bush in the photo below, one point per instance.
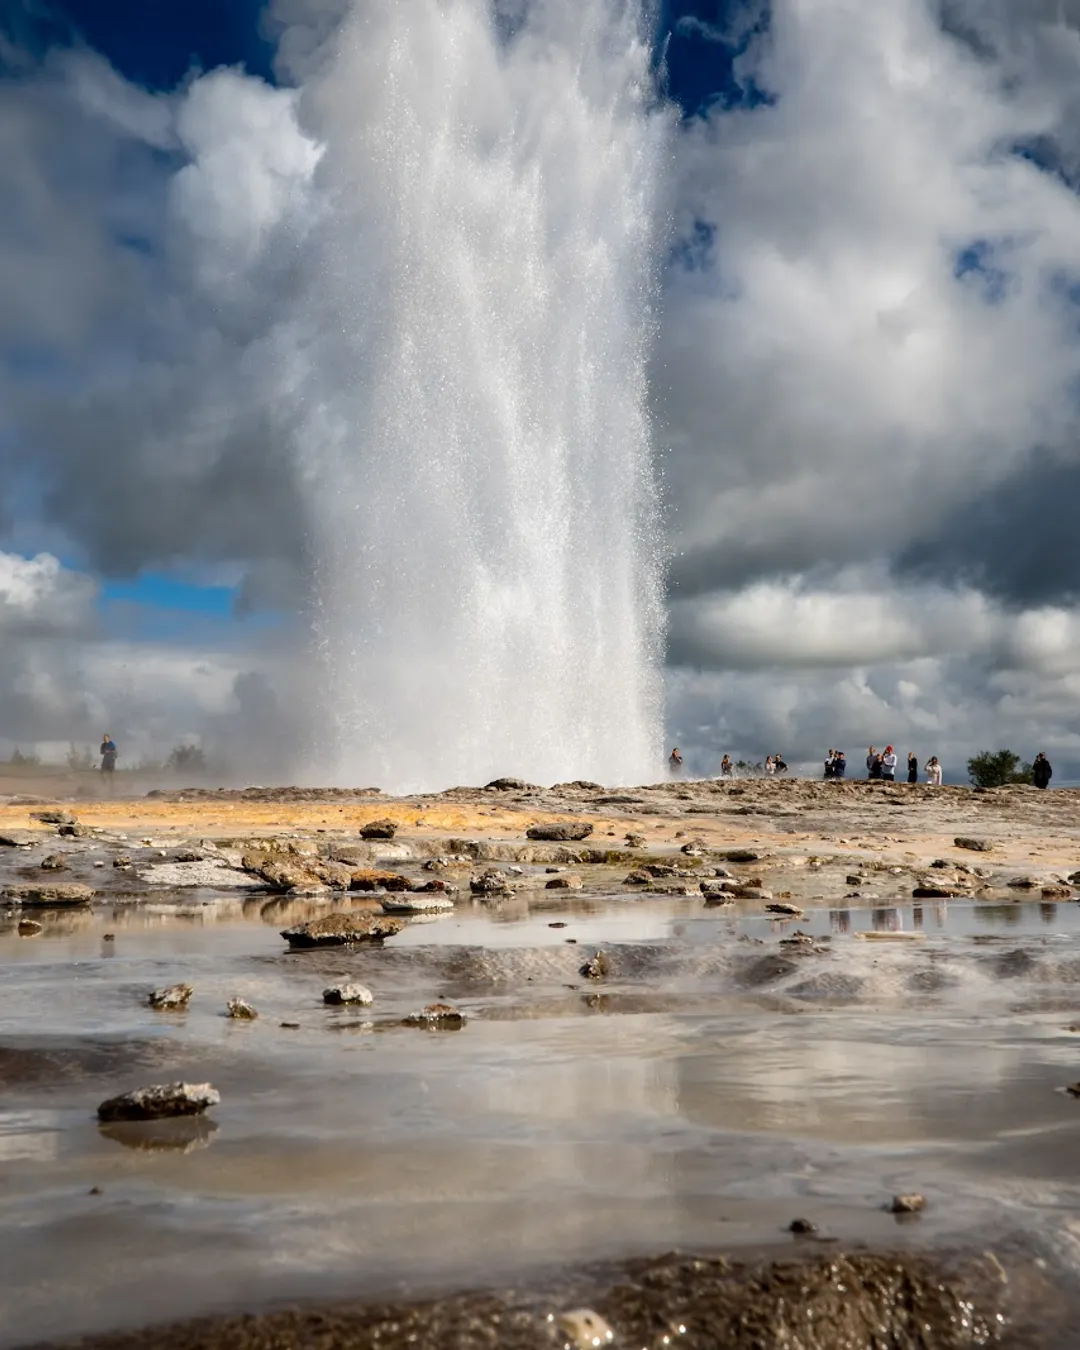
[
  {"x": 997, "y": 768},
  {"x": 186, "y": 759},
  {"x": 30, "y": 759}
]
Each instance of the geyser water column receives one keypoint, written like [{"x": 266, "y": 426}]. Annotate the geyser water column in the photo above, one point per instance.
[{"x": 475, "y": 422}]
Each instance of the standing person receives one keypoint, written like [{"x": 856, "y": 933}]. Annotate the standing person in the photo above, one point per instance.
[
  {"x": 770, "y": 767},
  {"x": 779, "y": 764},
  {"x": 727, "y": 769},
  {"x": 888, "y": 765},
  {"x": 1041, "y": 772},
  {"x": 675, "y": 762},
  {"x": 830, "y": 764},
  {"x": 912, "y": 767},
  {"x": 933, "y": 771},
  {"x": 871, "y": 756},
  {"x": 839, "y": 764},
  {"x": 874, "y": 765},
  {"x": 108, "y": 756}
]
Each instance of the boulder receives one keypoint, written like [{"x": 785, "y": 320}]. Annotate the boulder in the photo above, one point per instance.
[
  {"x": 975, "y": 845},
  {"x": 282, "y": 873},
  {"x": 637, "y": 878},
  {"x": 72, "y": 831},
  {"x": 436, "y": 886},
  {"x": 441, "y": 1015},
  {"x": 342, "y": 930},
  {"x": 1024, "y": 883},
  {"x": 174, "y": 997},
  {"x": 337, "y": 994},
  {"x": 749, "y": 892},
  {"x": 160, "y": 1101},
  {"x": 53, "y": 817},
  {"x": 568, "y": 881},
  {"x": 937, "y": 893},
  {"x": 379, "y": 829},
  {"x": 1055, "y": 892},
  {"x": 240, "y": 1010},
  {"x": 512, "y": 785},
  {"x": 50, "y": 896},
  {"x": 660, "y": 870},
  {"x": 560, "y": 832},
  {"x": 54, "y": 862},
  {"x": 635, "y": 840},
  {"x": 372, "y": 879},
  {"x": 491, "y": 882},
  {"x": 122, "y": 861}
]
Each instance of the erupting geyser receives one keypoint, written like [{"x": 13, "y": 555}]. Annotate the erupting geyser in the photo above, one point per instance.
[{"x": 476, "y": 432}]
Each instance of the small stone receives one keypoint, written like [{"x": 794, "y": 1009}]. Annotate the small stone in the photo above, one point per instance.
[
  {"x": 73, "y": 831},
  {"x": 637, "y": 878},
  {"x": 347, "y": 993},
  {"x": 441, "y": 1015},
  {"x": 802, "y": 1227},
  {"x": 187, "y": 856},
  {"x": 1074, "y": 1088},
  {"x": 569, "y": 881},
  {"x": 160, "y": 1101},
  {"x": 853, "y": 879},
  {"x": 635, "y": 841},
  {"x": 175, "y": 996},
  {"x": 742, "y": 855},
  {"x": 1024, "y": 883},
  {"x": 975, "y": 845},
  {"x": 94, "y": 1190},
  {"x": 491, "y": 882},
  {"x": 557, "y": 924},
  {"x": 912, "y": 1203},
  {"x": 584, "y": 1329},
  {"x": 240, "y": 1010},
  {"x": 596, "y": 967},
  {"x": 123, "y": 862},
  {"x": 341, "y": 930},
  {"x": 379, "y": 829},
  {"x": 290, "y": 1026},
  {"x": 30, "y": 928},
  {"x": 560, "y": 831},
  {"x": 99, "y": 862},
  {"x": 108, "y": 937},
  {"x": 54, "y": 862},
  {"x": 936, "y": 893}
]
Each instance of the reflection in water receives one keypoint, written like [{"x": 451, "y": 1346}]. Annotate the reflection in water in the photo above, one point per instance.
[
  {"x": 886, "y": 921},
  {"x": 917, "y": 917},
  {"x": 1048, "y": 911},
  {"x": 840, "y": 920},
  {"x": 183, "y": 1135},
  {"x": 1008, "y": 914}
]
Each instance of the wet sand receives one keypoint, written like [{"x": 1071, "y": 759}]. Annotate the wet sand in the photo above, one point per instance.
[{"x": 713, "y": 1085}]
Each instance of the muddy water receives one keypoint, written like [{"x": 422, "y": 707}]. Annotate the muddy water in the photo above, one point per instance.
[{"x": 713, "y": 1087}]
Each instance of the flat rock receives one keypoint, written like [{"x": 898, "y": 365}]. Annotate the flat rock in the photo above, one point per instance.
[
  {"x": 175, "y": 996},
  {"x": 341, "y": 930},
  {"x": 512, "y": 785},
  {"x": 637, "y": 878},
  {"x": 18, "y": 838},
  {"x": 159, "y": 1101},
  {"x": 975, "y": 845},
  {"x": 492, "y": 882},
  {"x": 50, "y": 895},
  {"x": 568, "y": 881},
  {"x": 379, "y": 829},
  {"x": 783, "y": 909},
  {"x": 1056, "y": 892},
  {"x": 213, "y": 873},
  {"x": 937, "y": 893},
  {"x": 560, "y": 832},
  {"x": 348, "y": 993},
  {"x": 742, "y": 855},
  {"x": 416, "y": 904},
  {"x": 1027, "y": 883}
]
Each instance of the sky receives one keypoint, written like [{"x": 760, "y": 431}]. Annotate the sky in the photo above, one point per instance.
[{"x": 864, "y": 380}]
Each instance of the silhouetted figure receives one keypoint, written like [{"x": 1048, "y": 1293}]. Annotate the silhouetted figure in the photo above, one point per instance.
[
  {"x": 912, "y": 767},
  {"x": 675, "y": 761},
  {"x": 108, "y": 756},
  {"x": 1041, "y": 772},
  {"x": 727, "y": 769},
  {"x": 778, "y": 764},
  {"x": 839, "y": 764},
  {"x": 873, "y": 765}
]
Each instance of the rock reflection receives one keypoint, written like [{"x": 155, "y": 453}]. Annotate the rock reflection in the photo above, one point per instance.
[{"x": 182, "y": 1135}]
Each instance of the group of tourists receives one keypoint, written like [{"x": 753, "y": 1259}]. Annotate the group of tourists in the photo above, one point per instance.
[{"x": 881, "y": 766}]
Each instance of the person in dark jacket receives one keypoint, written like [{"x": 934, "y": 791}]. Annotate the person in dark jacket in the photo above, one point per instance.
[
  {"x": 839, "y": 769},
  {"x": 1041, "y": 772},
  {"x": 108, "y": 754},
  {"x": 912, "y": 767}
]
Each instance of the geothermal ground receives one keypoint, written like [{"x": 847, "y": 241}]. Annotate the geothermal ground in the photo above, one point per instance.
[{"x": 726, "y": 1007}]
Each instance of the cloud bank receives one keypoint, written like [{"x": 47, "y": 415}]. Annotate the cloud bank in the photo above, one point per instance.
[{"x": 865, "y": 378}]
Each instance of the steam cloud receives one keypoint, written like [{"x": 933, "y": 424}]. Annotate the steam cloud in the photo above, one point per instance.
[{"x": 864, "y": 382}]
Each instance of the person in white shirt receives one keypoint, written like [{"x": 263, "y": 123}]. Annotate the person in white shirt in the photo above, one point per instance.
[
  {"x": 770, "y": 767},
  {"x": 888, "y": 765},
  {"x": 933, "y": 772}
]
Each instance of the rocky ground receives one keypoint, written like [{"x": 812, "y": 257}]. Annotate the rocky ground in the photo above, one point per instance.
[
  {"x": 353, "y": 866},
  {"x": 752, "y": 841}
]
